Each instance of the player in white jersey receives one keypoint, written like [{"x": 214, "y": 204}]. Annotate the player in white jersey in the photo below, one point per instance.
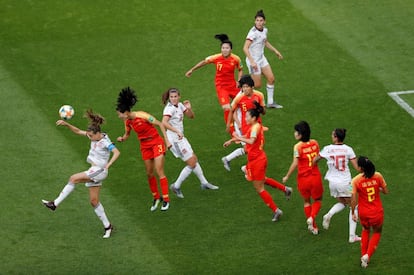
[
  {"x": 99, "y": 158},
  {"x": 256, "y": 61},
  {"x": 173, "y": 116},
  {"x": 338, "y": 156}
]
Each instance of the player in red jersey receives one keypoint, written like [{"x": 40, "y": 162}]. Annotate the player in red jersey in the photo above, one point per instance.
[
  {"x": 152, "y": 145},
  {"x": 226, "y": 64},
  {"x": 366, "y": 189},
  {"x": 309, "y": 177},
  {"x": 240, "y": 105},
  {"x": 256, "y": 157}
]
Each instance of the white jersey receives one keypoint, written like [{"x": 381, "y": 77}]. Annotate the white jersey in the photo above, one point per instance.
[
  {"x": 100, "y": 151},
  {"x": 176, "y": 114},
  {"x": 338, "y": 156},
  {"x": 258, "y": 39}
]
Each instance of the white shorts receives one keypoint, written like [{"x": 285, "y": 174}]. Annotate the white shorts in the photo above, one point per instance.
[
  {"x": 97, "y": 175},
  {"x": 340, "y": 190},
  {"x": 181, "y": 148},
  {"x": 261, "y": 63}
]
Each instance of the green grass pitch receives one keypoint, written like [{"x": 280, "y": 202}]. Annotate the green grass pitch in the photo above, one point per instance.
[{"x": 341, "y": 58}]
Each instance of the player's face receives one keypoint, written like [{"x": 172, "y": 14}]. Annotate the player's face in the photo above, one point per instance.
[
  {"x": 123, "y": 116},
  {"x": 93, "y": 136},
  {"x": 247, "y": 90},
  {"x": 259, "y": 23},
  {"x": 297, "y": 135},
  {"x": 225, "y": 49},
  {"x": 174, "y": 98},
  {"x": 250, "y": 120}
]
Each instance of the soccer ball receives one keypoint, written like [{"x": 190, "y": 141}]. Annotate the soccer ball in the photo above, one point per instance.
[{"x": 66, "y": 112}]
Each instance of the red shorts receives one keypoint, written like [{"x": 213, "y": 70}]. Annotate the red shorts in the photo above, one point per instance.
[
  {"x": 225, "y": 93},
  {"x": 256, "y": 169},
  {"x": 310, "y": 186},
  {"x": 152, "y": 148},
  {"x": 375, "y": 220}
]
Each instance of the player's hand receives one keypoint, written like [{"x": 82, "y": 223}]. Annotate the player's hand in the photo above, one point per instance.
[
  {"x": 61, "y": 122},
  {"x": 254, "y": 66},
  {"x": 285, "y": 179},
  {"x": 279, "y": 55},
  {"x": 120, "y": 139},
  {"x": 227, "y": 143},
  {"x": 187, "y": 104},
  {"x": 188, "y": 74}
]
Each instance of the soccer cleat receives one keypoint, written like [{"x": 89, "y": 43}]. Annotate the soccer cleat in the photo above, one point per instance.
[
  {"x": 155, "y": 204},
  {"x": 177, "y": 191},
  {"x": 364, "y": 261},
  {"x": 326, "y": 221},
  {"x": 49, "y": 204},
  {"x": 165, "y": 206},
  {"x": 353, "y": 239},
  {"x": 209, "y": 186},
  {"x": 226, "y": 163},
  {"x": 108, "y": 231},
  {"x": 278, "y": 213},
  {"x": 274, "y": 106},
  {"x": 313, "y": 230},
  {"x": 288, "y": 192}
]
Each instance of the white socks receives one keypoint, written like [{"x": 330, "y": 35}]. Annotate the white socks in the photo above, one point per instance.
[
  {"x": 199, "y": 173},
  {"x": 352, "y": 223},
  {"x": 337, "y": 207},
  {"x": 235, "y": 154},
  {"x": 270, "y": 92},
  {"x": 100, "y": 212},
  {"x": 187, "y": 171},
  {"x": 69, "y": 187},
  {"x": 183, "y": 175}
]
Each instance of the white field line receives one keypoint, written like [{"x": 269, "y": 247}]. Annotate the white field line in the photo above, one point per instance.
[{"x": 401, "y": 102}]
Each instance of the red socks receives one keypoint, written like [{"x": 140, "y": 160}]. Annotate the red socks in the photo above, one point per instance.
[
  {"x": 164, "y": 189},
  {"x": 152, "y": 181},
  {"x": 267, "y": 198},
  {"x": 275, "y": 184}
]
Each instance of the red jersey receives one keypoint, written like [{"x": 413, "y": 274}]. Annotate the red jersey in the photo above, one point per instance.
[
  {"x": 255, "y": 150},
  {"x": 245, "y": 103},
  {"x": 306, "y": 152},
  {"x": 142, "y": 125},
  {"x": 225, "y": 67},
  {"x": 369, "y": 201}
]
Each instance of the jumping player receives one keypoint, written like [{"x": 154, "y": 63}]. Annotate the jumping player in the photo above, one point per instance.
[
  {"x": 98, "y": 157},
  {"x": 152, "y": 145}
]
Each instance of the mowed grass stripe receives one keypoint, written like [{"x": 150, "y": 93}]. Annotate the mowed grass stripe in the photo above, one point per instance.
[
  {"x": 36, "y": 162},
  {"x": 376, "y": 33}
]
